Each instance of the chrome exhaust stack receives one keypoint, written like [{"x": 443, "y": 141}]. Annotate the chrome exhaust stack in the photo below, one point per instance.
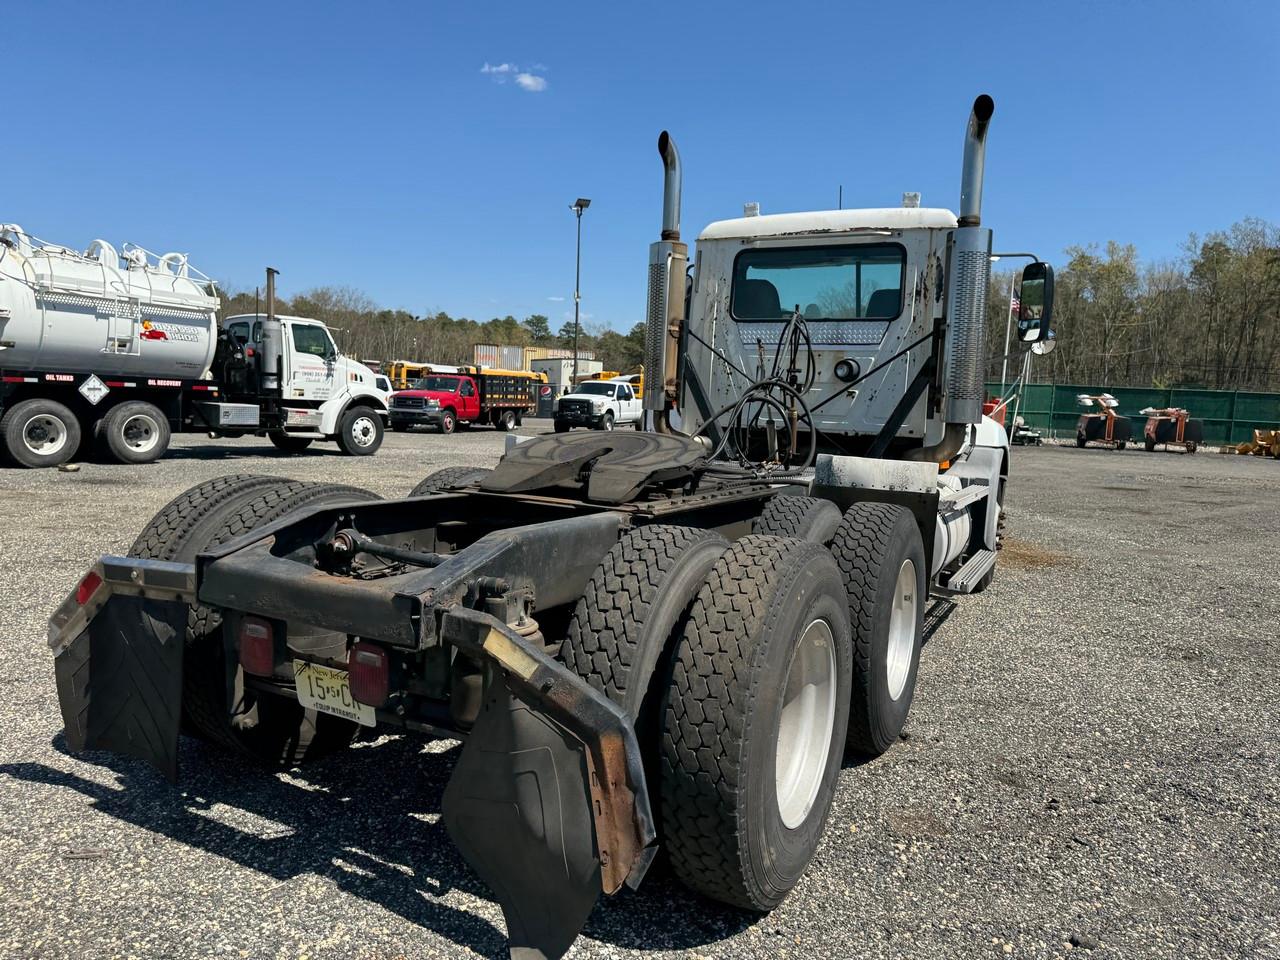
[
  {"x": 968, "y": 274},
  {"x": 664, "y": 317},
  {"x": 970, "y": 254},
  {"x": 272, "y": 340},
  {"x": 975, "y": 156}
]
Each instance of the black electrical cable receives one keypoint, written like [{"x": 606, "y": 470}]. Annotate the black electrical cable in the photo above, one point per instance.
[{"x": 768, "y": 392}]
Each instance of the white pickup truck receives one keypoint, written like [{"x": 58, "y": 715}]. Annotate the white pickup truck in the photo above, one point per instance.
[{"x": 599, "y": 404}]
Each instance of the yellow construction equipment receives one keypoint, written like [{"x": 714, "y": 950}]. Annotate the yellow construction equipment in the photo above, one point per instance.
[{"x": 1265, "y": 443}]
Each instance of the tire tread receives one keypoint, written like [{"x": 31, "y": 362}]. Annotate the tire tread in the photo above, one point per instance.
[{"x": 703, "y": 743}]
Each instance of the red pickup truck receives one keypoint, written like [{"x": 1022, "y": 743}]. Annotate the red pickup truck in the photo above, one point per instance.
[{"x": 472, "y": 395}]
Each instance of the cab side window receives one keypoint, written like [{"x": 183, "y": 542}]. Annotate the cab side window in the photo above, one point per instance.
[
  {"x": 468, "y": 389},
  {"x": 312, "y": 340},
  {"x": 624, "y": 393}
]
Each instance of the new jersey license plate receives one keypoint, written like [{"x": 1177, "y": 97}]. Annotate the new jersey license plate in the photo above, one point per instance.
[{"x": 327, "y": 690}]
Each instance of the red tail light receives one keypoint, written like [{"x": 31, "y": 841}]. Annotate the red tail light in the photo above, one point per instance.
[
  {"x": 257, "y": 647},
  {"x": 88, "y": 585},
  {"x": 368, "y": 669}
]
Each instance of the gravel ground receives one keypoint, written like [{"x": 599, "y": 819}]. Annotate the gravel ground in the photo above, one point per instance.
[{"x": 1090, "y": 769}]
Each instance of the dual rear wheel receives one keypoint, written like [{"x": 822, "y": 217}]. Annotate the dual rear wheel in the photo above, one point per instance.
[
  {"x": 748, "y": 669},
  {"x": 46, "y": 433}
]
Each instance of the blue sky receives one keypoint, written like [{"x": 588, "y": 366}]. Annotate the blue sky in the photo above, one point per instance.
[{"x": 365, "y": 145}]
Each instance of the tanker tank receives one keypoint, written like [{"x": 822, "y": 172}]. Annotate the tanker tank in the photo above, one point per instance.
[{"x": 128, "y": 313}]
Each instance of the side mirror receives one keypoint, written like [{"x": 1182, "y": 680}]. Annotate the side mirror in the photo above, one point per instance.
[
  {"x": 1044, "y": 347},
  {"x": 1035, "y": 303}
]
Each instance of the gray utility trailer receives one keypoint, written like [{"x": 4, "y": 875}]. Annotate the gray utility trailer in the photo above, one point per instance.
[{"x": 656, "y": 640}]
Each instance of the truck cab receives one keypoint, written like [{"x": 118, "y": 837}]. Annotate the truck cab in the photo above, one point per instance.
[
  {"x": 320, "y": 388},
  {"x": 866, "y": 283},
  {"x": 599, "y": 404}
]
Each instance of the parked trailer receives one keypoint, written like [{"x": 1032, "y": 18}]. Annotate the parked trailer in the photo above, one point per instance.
[
  {"x": 1171, "y": 425},
  {"x": 669, "y": 636},
  {"x": 120, "y": 350},
  {"x": 1105, "y": 427}
]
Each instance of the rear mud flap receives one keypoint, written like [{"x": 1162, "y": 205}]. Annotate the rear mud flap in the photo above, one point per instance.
[
  {"x": 519, "y": 809},
  {"x": 120, "y": 681}
]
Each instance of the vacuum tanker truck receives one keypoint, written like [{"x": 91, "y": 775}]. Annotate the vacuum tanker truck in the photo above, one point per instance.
[{"x": 118, "y": 350}]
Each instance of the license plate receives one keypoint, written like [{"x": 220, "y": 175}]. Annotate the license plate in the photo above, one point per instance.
[{"x": 327, "y": 690}]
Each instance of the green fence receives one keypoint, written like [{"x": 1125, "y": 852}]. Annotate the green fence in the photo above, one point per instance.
[{"x": 1229, "y": 416}]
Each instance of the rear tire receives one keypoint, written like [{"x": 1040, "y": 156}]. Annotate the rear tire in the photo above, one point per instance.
[
  {"x": 751, "y": 748},
  {"x": 180, "y": 522},
  {"x": 881, "y": 557},
  {"x": 1121, "y": 445},
  {"x": 562, "y": 426},
  {"x": 360, "y": 432},
  {"x": 1149, "y": 445},
  {"x": 40, "y": 433},
  {"x": 805, "y": 518},
  {"x": 282, "y": 441},
  {"x": 506, "y": 421},
  {"x": 134, "y": 432},
  {"x": 270, "y": 729},
  {"x": 629, "y": 619},
  {"x": 1080, "y": 440},
  {"x": 448, "y": 477}
]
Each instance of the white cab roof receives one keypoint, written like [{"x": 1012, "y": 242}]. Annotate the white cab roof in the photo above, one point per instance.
[
  {"x": 831, "y": 221},
  {"x": 263, "y": 316}
]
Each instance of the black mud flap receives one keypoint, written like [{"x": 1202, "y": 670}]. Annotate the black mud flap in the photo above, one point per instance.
[
  {"x": 519, "y": 809},
  {"x": 120, "y": 680}
]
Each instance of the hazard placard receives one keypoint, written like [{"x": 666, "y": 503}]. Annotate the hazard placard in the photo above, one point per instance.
[{"x": 94, "y": 389}]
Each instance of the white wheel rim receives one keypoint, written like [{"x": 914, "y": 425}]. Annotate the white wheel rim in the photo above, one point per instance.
[
  {"x": 902, "y": 629},
  {"x": 44, "y": 435},
  {"x": 140, "y": 433},
  {"x": 807, "y": 723},
  {"x": 363, "y": 431}
]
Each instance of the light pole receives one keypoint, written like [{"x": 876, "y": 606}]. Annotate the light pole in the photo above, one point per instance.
[{"x": 577, "y": 207}]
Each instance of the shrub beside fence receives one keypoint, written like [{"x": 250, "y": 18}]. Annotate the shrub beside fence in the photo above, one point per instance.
[{"x": 1230, "y": 416}]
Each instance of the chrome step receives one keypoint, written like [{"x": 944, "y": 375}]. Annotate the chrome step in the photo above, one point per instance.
[{"x": 975, "y": 568}]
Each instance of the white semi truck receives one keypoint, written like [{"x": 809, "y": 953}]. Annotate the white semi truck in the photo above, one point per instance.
[
  {"x": 669, "y": 636},
  {"x": 119, "y": 350}
]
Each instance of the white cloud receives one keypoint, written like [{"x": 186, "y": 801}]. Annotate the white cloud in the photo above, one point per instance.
[
  {"x": 530, "y": 82},
  {"x": 527, "y": 80},
  {"x": 556, "y": 299}
]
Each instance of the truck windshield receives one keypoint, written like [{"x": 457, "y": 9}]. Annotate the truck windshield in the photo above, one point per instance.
[
  {"x": 596, "y": 389},
  {"x": 848, "y": 282},
  {"x": 438, "y": 384}
]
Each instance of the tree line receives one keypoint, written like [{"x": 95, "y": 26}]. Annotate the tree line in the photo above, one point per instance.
[
  {"x": 370, "y": 333},
  {"x": 1208, "y": 319}
]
